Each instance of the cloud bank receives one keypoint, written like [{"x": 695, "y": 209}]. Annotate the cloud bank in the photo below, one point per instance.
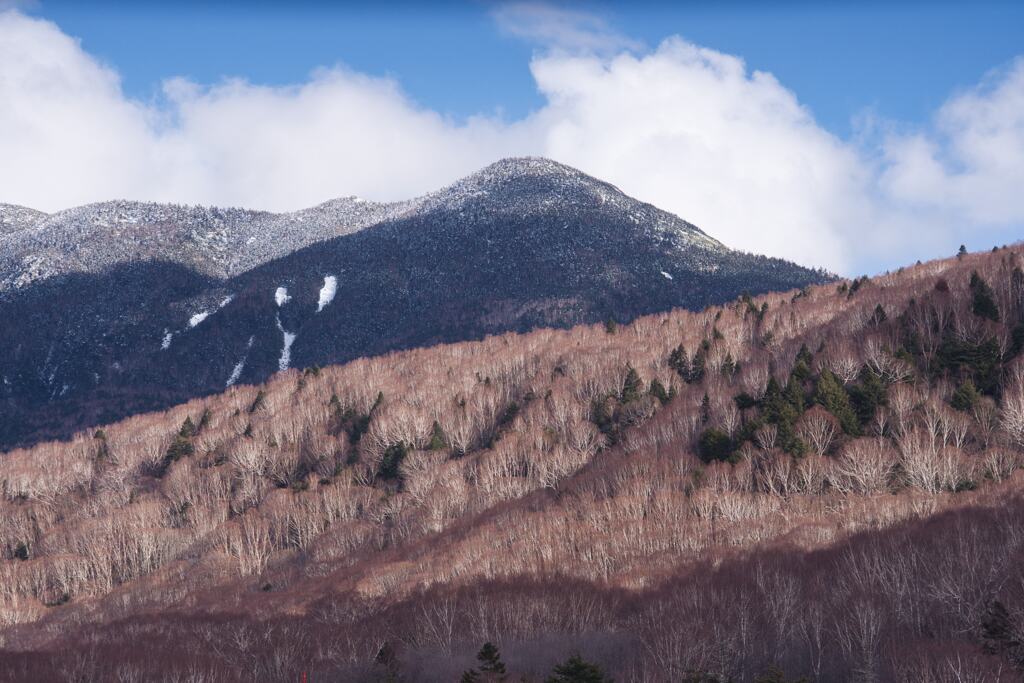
[{"x": 689, "y": 129}]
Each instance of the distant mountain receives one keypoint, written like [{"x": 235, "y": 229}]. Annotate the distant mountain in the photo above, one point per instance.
[{"x": 119, "y": 307}]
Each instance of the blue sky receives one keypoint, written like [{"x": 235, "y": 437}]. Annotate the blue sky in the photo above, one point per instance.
[
  {"x": 899, "y": 60},
  {"x": 854, "y": 136}
]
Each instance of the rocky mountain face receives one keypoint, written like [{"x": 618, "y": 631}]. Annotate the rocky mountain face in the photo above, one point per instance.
[{"x": 120, "y": 307}]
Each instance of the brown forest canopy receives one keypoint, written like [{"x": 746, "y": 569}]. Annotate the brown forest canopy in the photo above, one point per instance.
[{"x": 824, "y": 480}]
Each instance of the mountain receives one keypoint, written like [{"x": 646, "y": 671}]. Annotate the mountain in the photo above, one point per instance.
[
  {"x": 119, "y": 307},
  {"x": 794, "y": 486}
]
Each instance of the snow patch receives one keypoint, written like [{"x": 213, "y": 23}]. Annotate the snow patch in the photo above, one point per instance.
[
  {"x": 237, "y": 371},
  {"x": 166, "y": 343},
  {"x": 228, "y": 299},
  {"x": 327, "y": 292},
  {"x": 286, "y": 352},
  {"x": 281, "y": 296},
  {"x": 667, "y": 276},
  {"x": 198, "y": 318}
]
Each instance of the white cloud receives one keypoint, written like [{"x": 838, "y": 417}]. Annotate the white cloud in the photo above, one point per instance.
[
  {"x": 561, "y": 29},
  {"x": 689, "y": 129},
  {"x": 972, "y": 163}
]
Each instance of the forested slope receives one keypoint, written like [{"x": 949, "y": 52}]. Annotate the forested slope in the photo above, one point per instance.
[{"x": 826, "y": 481}]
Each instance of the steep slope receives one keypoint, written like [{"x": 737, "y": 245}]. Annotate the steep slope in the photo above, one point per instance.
[
  {"x": 826, "y": 482},
  {"x": 121, "y": 307}
]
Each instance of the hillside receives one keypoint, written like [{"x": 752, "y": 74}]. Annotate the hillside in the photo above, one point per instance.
[
  {"x": 118, "y": 308},
  {"x": 825, "y": 480}
]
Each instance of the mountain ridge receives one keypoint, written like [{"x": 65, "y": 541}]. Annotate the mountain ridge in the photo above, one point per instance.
[
  {"x": 121, "y": 307},
  {"x": 32, "y": 231}
]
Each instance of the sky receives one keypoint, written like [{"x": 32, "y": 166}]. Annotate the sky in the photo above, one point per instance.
[{"x": 857, "y": 137}]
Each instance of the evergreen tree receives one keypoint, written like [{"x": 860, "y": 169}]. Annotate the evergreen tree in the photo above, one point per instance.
[
  {"x": 728, "y": 365},
  {"x": 679, "y": 361},
  {"x": 705, "y": 408},
  {"x": 631, "y": 386},
  {"x": 966, "y": 396},
  {"x": 962, "y": 251},
  {"x": 438, "y": 439},
  {"x": 179, "y": 448},
  {"x": 998, "y": 632},
  {"x": 794, "y": 396},
  {"x": 983, "y": 303},
  {"x": 490, "y": 659},
  {"x": 714, "y": 444},
  {"x": 783, "y": 408},
  {"x": 879, "y": 316},
  {"x": 204, "y": 420},
  {"x": 610, "y": 326},
  {"x": 657, "y": 390},
  {"x": 804, "y": 356},
  {"x": 577, "y": 670},
  {"x": 188, "y": 430},
  {"x": 470, "y": 676},
  {"x": 697, "y": 364},
  {"x": 801, "y": 370},
  {"x": 391, "y": 461},
  {"x": 830, "y": 394},
  {"x": 257, "y": 402},
  {"x": 867, "y": 396},
  {"x": 103, "y": 452}
]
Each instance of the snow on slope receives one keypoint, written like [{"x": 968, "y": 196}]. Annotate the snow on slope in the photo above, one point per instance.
[
  {"x": 286, "y": 350},
  {"x": 236, "y": 373},
  {"x": 17, "y": 218},
  {"x": 327, "y": 292}
]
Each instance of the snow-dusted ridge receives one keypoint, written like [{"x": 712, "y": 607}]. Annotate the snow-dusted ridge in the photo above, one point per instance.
[
  {"x": 224, "y": 242},
  {"x": 17, "y": 218}
]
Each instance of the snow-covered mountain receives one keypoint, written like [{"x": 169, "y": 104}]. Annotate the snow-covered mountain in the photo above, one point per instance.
[
  {"x": 226, "y": 242},
  {"x": 117, "y": 307}
]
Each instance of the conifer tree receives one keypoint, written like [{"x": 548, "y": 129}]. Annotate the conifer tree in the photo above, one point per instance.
[
  {"x": 188, "y": 430},
  {"x": 830, "y": 394},
  {"x": 658, "y": 391},
  {"x": 438, "y": 439},
  {"x": 966, "y": 396},
  {"x": 679, "y": 361},
  {"x": 631, "y": 386},
  {"x": 804, "y": 356},
  {"x": 697, "y": 365},
  {"x": 728, "y": 365},
  {"x": 490, "y": 659},
  {"x": 983, "y": 303},
  {"x": 577, "y": 670},
  {"x": 867, "y": 396}
]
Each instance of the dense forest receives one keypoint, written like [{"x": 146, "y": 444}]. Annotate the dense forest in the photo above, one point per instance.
[{"x": 821, "y": 484}]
